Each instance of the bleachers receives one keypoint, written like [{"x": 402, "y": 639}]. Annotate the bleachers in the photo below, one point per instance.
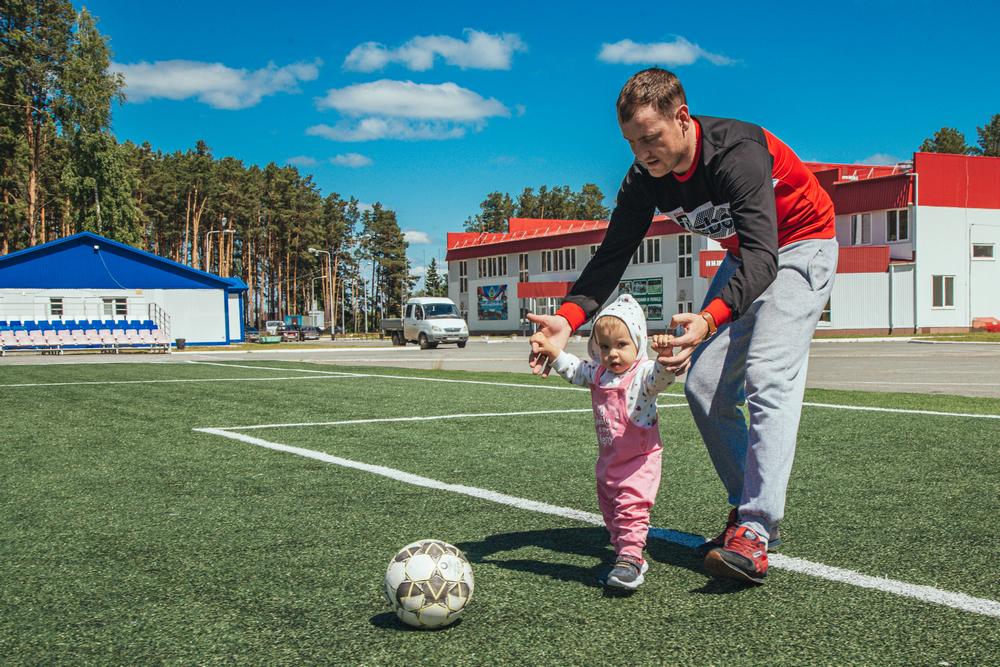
[{"x": 57, "y": 336}]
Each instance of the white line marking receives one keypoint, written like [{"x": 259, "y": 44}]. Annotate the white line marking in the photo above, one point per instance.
[
  {"x": 862, "y": 408},
  {"x": 923, "y": 593},
  {"x": 388, "y": 420},
  {"x": 176, "y": 381},
  {"x": 904, "y": 411}
]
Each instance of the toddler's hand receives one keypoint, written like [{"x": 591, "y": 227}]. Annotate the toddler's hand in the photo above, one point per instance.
[
  {"x": 546, "y": 346},
  {"x": 662, "y": 345}
]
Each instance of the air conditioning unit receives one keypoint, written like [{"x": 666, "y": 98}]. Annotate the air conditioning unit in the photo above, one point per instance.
[{"x": 682, "y": 295}]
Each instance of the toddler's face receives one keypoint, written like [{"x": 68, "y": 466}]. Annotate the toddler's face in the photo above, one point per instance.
[{"x": 618, "y": 352}]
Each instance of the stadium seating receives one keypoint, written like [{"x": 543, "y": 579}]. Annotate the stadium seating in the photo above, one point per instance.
[{"x": 57, "y": 336}]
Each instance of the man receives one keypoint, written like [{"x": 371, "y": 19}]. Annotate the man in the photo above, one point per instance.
[{"x": 738, "y": 184}]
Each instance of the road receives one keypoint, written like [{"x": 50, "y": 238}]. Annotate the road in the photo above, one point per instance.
[{"x": 968, "y": 369}]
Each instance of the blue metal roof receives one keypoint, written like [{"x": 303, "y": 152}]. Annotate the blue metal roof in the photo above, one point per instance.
[{"x": 89, "y": 261}]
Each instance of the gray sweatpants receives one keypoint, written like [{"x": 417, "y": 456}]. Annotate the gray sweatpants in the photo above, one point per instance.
[{"x": 761, "y": 358}]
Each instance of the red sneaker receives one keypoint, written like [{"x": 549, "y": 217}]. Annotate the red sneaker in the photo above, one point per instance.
[
  {"x": 717, "y": 542},
  {"x": 744, "y": 557}
]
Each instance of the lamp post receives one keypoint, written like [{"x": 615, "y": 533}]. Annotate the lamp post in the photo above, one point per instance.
[
  {"x": 329, "y": 295},
  {"x": 215, "y": 231}
]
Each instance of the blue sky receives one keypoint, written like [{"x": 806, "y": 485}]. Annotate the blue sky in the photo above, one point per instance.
[{"x": 427, "y": 107}]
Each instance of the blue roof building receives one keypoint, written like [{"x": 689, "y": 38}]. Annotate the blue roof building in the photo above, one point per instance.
[{"x": 87, "y": 276}]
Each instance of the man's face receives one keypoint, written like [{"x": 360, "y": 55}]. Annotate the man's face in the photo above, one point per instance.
[{"x": 660, "y": 143}]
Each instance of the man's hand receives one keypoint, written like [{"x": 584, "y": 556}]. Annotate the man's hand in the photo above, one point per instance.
[
  {"x": 695, "y": 331},
  {"x": 556, "y": 331}
]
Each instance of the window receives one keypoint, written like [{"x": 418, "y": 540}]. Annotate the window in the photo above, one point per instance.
[
  {"x": 825, "y": 315},
  {"x": 56, "y": 307},
  {"x": 684, "y": 256},
  {"x": 684, "y": 307},
  {"x": 648, "y": 252},
  {"x": 493, "y": 266},
  {"x": 463, "y": 277},
  {"x": 944, "y": 291},
  {"x": 861, "y": 229},
  {"x": 982, "y": 251},
  {"x": 897, "y": 225},
  {"x": 522, "y": 267},
  {"x": 115, "y": 308},
  {"x": 593, "y": 250},
  {"x": 559, "y": 260}
]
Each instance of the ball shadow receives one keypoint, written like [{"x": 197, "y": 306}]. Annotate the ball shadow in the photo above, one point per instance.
[{"x": 389, "y": 621}]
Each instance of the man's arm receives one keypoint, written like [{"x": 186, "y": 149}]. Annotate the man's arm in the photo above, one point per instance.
[
  {"x": 744, "y": 179},
  {"x": 630, "y": 220}
]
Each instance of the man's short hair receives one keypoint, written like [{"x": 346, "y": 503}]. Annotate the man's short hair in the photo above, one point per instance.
[{"x": 653, "y": 87}]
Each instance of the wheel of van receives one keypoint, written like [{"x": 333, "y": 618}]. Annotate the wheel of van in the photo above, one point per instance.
[
  {"x": 462, "y": 343},
  {"x": 424, "y": 343}
]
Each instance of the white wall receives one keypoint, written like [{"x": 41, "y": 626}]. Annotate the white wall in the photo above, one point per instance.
[
  {"x": 28, "y": 304},
  {"x": 897, "y": 249},
  {"x": 235, "y": 317},
  {"x": 196, "y": 315}
]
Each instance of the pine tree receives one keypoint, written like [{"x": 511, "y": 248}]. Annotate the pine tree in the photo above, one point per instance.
[
  {"x": 945, "y": 140},
  {"x": 989, "y": 138}
]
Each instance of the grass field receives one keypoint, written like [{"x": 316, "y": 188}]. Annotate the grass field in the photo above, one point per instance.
[{"x": 129, "y": 537}]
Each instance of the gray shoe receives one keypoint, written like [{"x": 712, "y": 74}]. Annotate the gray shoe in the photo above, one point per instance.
[{"x": 626, "y": 574}]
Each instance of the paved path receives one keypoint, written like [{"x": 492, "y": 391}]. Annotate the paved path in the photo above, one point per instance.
[{"x": 961, "y": 369}]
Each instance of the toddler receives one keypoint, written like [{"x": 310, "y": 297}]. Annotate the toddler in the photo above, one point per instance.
[{"x": 624, "y": 384}]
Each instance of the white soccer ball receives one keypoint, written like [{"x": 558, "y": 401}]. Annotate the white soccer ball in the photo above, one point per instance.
[{"x": 428, "y": 584}]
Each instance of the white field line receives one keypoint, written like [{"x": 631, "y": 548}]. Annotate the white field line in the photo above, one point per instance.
[
  {"x": 923, "y": 593},
  {"x": 389, "y": 420},
  {"x": 863, "y": 408},
  {"x": 177, "y": 381}
]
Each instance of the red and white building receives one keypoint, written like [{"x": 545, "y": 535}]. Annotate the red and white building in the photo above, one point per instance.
[{"x": 918, "y": 253}]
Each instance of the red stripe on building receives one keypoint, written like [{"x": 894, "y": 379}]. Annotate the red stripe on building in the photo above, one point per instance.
[
  {"x": 709, "y": 262},
  {"x": 873, "y": 194},
  {"x": 542, "y": 289},
  {"x": 469, "y": 245},
  {"x": 863, "y": 259},
  {"x": 959, "y": 181}
]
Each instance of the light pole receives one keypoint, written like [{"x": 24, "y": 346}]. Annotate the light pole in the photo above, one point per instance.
[
  {"x": 329, "y": 295},
  {"x": 205, "y": 247}
]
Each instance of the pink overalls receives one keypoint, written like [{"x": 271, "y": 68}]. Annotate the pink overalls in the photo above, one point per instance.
[{"x": 628, "y": 465}]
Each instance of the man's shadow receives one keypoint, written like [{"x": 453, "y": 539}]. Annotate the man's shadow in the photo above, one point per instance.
[{"x": 588, "y": 542}]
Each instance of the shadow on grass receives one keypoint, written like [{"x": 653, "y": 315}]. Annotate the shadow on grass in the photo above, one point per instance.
[
  {"x": 588, "y": 542},
  {"x": 389, "y": 621}
]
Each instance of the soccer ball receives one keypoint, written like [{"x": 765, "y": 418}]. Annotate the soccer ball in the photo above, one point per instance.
[{"x": 428, "y": 584}]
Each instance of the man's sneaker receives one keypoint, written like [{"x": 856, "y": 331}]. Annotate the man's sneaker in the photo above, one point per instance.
[
  {"x": 627, "y": 573},
  {"x": 744, "y": 557},
  {"x": 732, "y": 523},
  {"x": 719, "y": 540}
]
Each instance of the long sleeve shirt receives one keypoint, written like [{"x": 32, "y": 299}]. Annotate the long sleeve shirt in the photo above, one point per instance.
[
  {"x": 651, "y": 379},
  {"x": 745, "y": 189}
]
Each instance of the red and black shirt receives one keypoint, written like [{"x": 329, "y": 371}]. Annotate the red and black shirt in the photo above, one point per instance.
[{"x": 745, "y": 189}]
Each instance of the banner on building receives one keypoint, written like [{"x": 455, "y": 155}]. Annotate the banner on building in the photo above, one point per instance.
[
  {"x": 492, "y": 302},
  {"x": 648, "y": 293},
  {"x": 709, "y": 262}
]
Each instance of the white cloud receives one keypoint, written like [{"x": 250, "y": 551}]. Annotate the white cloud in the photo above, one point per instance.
[
  {"x": 214, "y": 84},
  {"x": 880, "y": 159},
  {"x": 406, "y": 99},
  {"x": 418, "y": 271},
  {"x": 353, "y": 160},
  {"x": 678, "y": 52},
  {"x": 479, "y": 50},
  {"x": 301, "y": 161},
  {"x": 371, "y": 129},
  {"x": 416, "y": 237},
  {"x": 387, "y": 109}
]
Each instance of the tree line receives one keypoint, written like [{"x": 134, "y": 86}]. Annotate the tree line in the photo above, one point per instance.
[
  {"x": 63, "y": 171},
  {"x": 557, "y": 203},
  {"x": 950, "y": 140}
]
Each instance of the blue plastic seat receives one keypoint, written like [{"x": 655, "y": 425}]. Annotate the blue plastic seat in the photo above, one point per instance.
[{"x": 15, "y": 323}]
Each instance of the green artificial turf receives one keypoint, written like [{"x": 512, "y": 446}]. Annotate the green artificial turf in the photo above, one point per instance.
[{"x": 130, "y": 538}]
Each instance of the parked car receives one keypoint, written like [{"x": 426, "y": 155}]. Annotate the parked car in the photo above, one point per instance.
[
  {"x": 274, "y": 327},
  {"x": 291, "y": 332},
  {"x": 427, "y": 321},
  {"x": 251, "y": 334},
  {"x": 310, "y": 333}
]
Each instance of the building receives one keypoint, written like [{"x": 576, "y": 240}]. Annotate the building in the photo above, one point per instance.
[
  {"x": 89, "y": 277},
  {"x": 942, "y": 209}
]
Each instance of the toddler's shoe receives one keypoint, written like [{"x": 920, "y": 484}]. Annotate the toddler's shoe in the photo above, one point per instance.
[{"x": 627, "y": 573}]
